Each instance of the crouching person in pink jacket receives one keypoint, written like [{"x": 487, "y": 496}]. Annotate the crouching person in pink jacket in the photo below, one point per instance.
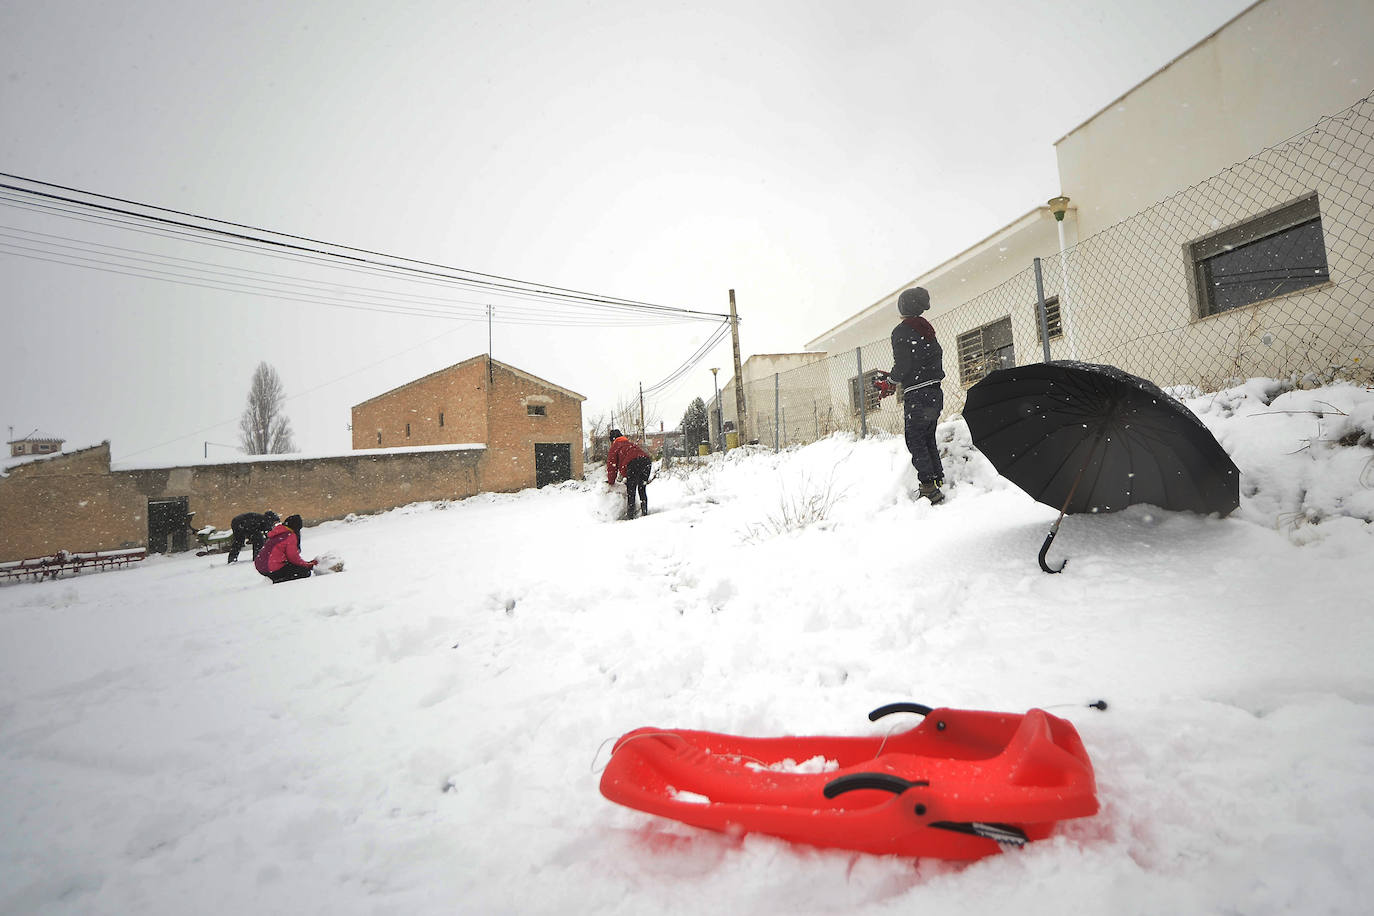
[{"x": 280, "y": 558}]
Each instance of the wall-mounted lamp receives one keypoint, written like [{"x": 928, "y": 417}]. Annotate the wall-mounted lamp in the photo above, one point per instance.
[{"x": 1059, "y": 206}]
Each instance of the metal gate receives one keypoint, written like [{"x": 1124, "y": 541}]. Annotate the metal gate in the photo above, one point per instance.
[
  {"x": 169, "y": 524},
  {"x": 552, "y": 462}
]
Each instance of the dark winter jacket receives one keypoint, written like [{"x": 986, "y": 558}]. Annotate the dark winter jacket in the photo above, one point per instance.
[
  {"x": 618, "y": 459},
  {"x": 917, "y": 360},
  {"x": 251, "y": 523},
  {"x": 281, "y": 548}
]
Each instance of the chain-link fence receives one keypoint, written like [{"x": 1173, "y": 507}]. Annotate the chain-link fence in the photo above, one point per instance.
[{"x": 1263, "y": 270}]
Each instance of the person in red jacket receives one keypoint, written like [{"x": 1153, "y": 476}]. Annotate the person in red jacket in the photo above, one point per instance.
[
  {"x": 634, "y": 464},
  {"x": 280, "y": 558}
]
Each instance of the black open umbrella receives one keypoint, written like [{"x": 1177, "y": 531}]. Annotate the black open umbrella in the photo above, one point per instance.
[{"x": 1091, "y": 438}]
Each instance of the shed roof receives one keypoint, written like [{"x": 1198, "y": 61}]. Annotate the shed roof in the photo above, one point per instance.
[{"x": 481, "y": 356}]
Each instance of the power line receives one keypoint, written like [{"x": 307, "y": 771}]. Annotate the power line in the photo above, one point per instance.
[
  {"x": 550, "y": 311},
  {"x": 345, "y": 253},
  {"x": 692, "y": 360}
]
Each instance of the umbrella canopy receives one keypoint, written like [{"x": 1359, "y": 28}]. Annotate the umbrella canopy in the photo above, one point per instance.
[{"x": 1084, "y": 437}]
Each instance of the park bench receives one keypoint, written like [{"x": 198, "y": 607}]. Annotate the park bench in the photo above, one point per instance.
[{"x": 63, "y": 562}]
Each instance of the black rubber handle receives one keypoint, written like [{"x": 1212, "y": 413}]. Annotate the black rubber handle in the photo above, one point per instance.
[
  {"x": 890, "y": 708},
  {"x": 1045, "y": 548},
  {"x": 885, "y": 781}
]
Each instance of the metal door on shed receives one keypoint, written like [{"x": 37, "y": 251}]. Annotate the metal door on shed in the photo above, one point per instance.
[
  {"x": 552, "y": 462},
  {"x": 169, "y": 527}
]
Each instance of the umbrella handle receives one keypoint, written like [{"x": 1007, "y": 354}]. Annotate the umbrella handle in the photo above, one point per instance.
[{"x": 1045, "y": 548}]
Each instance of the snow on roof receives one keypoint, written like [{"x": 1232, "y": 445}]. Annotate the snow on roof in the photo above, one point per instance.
[
  {"x": 36, "y": 436},
  {"x": 295, "y": 456},
  {"x": 9, "y": 462}
]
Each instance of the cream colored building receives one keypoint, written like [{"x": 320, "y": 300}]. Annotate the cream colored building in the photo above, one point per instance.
[
  {"x": 1219, "y": 223},
  {"x": 798, "y": 405}
]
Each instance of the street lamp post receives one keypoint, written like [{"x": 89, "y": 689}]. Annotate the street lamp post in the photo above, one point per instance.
[
  {"x": 1059, "y": 206},
  {"x": 720, "y": 441}
]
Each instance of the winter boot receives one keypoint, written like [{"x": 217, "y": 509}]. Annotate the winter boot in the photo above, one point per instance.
[
  {"x": 931, "y": 491},
  {"x": 644, "y": 507}
]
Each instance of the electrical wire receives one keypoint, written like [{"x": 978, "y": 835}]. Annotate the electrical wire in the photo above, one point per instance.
[
  {"x": 345, "y": 253},
  {"x": 546, "y": 310},
  {"x": 692, "y": 360}
]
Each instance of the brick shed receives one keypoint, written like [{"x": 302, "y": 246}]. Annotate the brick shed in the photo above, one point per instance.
[{"x": 532, "y": 429}]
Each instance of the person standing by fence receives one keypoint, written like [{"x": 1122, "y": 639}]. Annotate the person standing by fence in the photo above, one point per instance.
[
  {"x": 635, "y": 465},
  {"x": 918, "y": 369}
]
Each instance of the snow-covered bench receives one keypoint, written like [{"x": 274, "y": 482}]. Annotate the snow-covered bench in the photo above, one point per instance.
[{"x": 63, "y": 561}]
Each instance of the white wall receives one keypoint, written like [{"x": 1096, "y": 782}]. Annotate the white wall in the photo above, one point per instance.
[
  {"x": 1262, "y": 78},
  {"x": 982, "y": 267}
]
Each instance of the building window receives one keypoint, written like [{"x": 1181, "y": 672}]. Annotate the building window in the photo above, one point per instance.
[
  {"x": 1278, "y": 252},
  {"x": 379, "y": 437},
  {"x": 536, "y": 410},
  {"x": 1052, "y": 321},
  {"x": 985, "y": 350},
  {"x": 407, "y": 430},
  {"x": 441, "y": 418},
  {"x": 862, "y": 387}
]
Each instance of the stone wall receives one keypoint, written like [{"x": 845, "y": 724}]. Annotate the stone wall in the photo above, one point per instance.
[{"x": 76, "y": 502}]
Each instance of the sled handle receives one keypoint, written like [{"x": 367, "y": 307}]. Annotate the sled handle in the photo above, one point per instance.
[
  {"x": 890, "y": 708},
  {"x": 885, "y": 781}
]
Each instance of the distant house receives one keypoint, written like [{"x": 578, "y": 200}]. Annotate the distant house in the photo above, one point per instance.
[
  {"x": 475, "y": 427},
  {"x": 531, "y": 428},
  {"x": 802, "y": 405},
  {"x": 35, "y": 443}
]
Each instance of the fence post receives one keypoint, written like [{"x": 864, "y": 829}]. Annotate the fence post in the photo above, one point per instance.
[
  {"x": 1044, "y": 322},
  {"x": 863, "y": 401},
  {"x": 776, "y": 440}
]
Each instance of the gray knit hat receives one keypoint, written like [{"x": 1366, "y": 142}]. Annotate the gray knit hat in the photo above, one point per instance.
[{"x": 913, "y": 302}]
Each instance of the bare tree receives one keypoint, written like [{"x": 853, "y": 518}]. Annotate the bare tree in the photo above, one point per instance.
[
  {"x": 625, "y": 417},
  {"x": 263, "y": 429},
  {"x": 596, "y": 438}
]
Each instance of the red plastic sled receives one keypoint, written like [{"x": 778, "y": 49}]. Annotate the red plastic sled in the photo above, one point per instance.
[{"x": 960, "y": 785}]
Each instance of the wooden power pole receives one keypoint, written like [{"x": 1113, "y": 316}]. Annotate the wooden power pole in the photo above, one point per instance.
[{"x": 739, "y": 372}]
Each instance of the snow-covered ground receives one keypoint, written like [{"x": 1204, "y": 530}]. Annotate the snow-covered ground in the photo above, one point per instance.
[{"x": 423, "y": 732}]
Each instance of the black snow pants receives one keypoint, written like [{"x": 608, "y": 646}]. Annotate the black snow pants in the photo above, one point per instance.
[
  {"x": 636, "y": 484},
  {"x": 254, "y": 536},
  {"x": 290, "y": 571},
  {"x": 921, "y": 412}
]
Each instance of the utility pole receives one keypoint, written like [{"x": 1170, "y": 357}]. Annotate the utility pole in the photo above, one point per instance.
[
  {"x": 739, "y": 372},
  {"x": 641, "y": 413}
]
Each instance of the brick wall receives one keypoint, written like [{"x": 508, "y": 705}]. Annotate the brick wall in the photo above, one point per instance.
[
  {"x": 76, "y": 502},
  {"x": 457, "y": 396},
  {"x": 69, "y": 502},
  {"x": 514, "y": 431},
  {"x": 496, "y": 412}
]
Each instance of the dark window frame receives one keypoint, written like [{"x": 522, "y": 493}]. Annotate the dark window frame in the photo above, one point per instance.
[
  {"x": 1292, "y": 232},
  {"x": 985, "y": 349},
  {"x": 1053, "y": 319},
  {"x": 536, "y": 410},
  {"x": 872, "y": 396}
]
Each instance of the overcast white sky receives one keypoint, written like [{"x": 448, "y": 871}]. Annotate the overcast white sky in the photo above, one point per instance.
[{"x": 813, "y": 156}]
